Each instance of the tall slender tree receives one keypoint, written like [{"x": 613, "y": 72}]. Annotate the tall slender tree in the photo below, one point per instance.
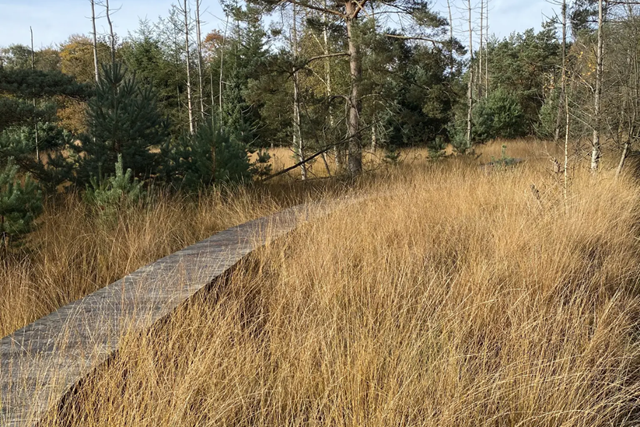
[
  {"x": 596, "y": 151},
  {"x": 565, "y": 96},
  {"x": 470, "y": 87},
  {"x": 95, "y": 40},
  {"x": 200, "y": 64},
  {"x": 486, "y": 59},
  {"x": 481, "y": 50},
  {"x": 298, "y": 142},
  {"x": 187, "y": 48},
  {"x": 112, "y": 36}
]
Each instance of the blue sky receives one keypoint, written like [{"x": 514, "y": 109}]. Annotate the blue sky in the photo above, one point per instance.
[{"x": 53, "y": 21}]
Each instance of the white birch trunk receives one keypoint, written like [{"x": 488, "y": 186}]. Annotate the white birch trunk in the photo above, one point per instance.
[
  {"x": 486, "y": 55},
  {"x": 566, "y": 97},
  {"x": 470, "y": 88},
  {"x": 595, "y": 145},
  {"x": 95, "y": 41},
  {"x": 220, "y": 81},
  {"x": 480, "y": 53},
  {"x": 298, "y": 143},
  {"x": 199, "y": 45},
  {"x": 189, "y": 99}
]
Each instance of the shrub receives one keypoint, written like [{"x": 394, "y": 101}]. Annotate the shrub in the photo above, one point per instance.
[{"x": 117, "y": 192}]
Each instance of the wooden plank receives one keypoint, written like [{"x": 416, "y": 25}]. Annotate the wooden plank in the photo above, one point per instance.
[{"x": 40, "y": 363}]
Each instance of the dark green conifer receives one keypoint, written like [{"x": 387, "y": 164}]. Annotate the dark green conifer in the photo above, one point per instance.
[
  {"x": 123, "y": 119},
  {"x": 20, "y": 205}
]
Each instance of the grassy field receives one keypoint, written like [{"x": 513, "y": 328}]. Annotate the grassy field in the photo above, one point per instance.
[
  {"x": 458, "y": 296},
  {"x": 74, "y": 251}
]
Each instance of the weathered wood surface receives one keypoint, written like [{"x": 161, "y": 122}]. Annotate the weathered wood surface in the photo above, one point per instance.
[{"x": 41, "y": 362}]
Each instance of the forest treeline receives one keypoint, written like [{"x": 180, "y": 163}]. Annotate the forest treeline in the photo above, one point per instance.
[{"x": 167, "y": 105}]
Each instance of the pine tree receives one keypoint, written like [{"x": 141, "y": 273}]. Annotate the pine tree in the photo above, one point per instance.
[
  {"x": 123, "y": 119},
  {"x": 211, "y": 154},
  {"x": 20, "y": 205},
  {"x": 29, "y": 103},
  {"x": 117, "y": 192}
]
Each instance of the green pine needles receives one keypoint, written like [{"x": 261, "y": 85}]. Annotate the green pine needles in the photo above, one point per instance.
[
  {"x": 117, "y": 192},
  {"x": 124, "y": 120},
  {"x": 20, "y": 205}
]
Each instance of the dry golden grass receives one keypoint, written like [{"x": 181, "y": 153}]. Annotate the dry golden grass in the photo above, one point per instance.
[
  {"x": 455, "y": 297},
  {"x": 73, "y": 252}
]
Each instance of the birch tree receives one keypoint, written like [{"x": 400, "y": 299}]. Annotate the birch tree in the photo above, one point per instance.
[
  {"x": 596, "y": 151},
  {"x": 565, "y": 96},
  {"x": 470, "y": 87},
  {"x": 95, "y": 40},
  {"x": 200, "y": 65},
  {"x": 187, "y": 48},
  {"x": 298, "y": 142}
]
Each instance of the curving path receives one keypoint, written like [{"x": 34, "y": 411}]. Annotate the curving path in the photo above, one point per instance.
[{"x": 40, "y": 363}]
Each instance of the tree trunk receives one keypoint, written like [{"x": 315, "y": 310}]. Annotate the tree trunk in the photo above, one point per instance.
[
  {"x": 374, "y": 136},
  {"x": 595, "y": 145},
  {"x": 470, "y": 88},
  {"x": 355, "y": 67},
  {"x": 339, "y": 152},
  {"x": 486, "y": 56},
  {"x": 298, "y": 144},
  {"x": 199, "y": 45},
  {"x": 95, "y": 41},
  {"x": 33, "y": 67},
  {"x": 112, "y": 36},
  {"x": 186, "y": 33},
  {"x": 623, "y": 157},
  {"x": 480, "y": 54},
  {"x": 566, "y": 97},
  {"x": 562, "y": 101},
  {"x": 631, "y": 99},
  {"x": 451, "y": 39},
  {"x": 224, "y": 40}
]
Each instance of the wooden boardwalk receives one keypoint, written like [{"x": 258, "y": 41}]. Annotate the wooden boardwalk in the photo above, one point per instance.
[{"x": 40, "y": 363}]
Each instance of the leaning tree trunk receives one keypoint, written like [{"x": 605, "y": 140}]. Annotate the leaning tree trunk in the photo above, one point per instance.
[
  {"x": 353, "y": 120},
  {"x": 595, "y": 145}
]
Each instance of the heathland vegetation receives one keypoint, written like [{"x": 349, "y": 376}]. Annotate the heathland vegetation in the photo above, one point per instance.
[{"x": 490, "y": 276}]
